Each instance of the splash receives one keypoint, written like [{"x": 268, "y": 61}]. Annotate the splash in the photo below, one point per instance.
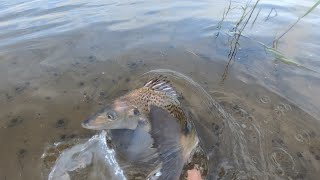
[{"x": 88, "y": 157}]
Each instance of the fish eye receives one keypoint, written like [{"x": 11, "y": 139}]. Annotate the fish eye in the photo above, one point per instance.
[
  {"x": 136, "y": 112},
  {"x": 111, "y": 115}
]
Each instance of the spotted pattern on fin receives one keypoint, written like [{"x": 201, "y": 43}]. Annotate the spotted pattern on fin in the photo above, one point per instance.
[{"x": 160, "y": 83}]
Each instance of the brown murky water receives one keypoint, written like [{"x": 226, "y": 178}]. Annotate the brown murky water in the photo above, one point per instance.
[{"x": 61, "y": 62}]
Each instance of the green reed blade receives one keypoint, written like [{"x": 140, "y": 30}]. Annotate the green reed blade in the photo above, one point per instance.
[{"x": 309, "y": 11}]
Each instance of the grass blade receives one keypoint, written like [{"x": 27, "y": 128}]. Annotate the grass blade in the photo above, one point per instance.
[
  {"x": 296, "y": 22},
  {"x": 311, "y": 9},
  {"x": 282, "y": 58}
]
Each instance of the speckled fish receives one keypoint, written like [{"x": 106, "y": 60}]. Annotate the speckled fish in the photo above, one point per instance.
[{"x": 136, "y": 108}]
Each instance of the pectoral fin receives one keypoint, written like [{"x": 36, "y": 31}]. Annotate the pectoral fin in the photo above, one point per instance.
[
  {"x": 166, "y": 134},
  {"x": 134, "y": 145}
]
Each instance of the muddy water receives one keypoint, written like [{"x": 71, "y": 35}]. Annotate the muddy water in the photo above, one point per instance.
[{"x": 62, "y": 61}]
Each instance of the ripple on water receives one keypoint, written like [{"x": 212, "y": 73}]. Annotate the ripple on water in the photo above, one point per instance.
[
  {"x": 283, "y": 162},
  {"x": 265, "y": 99},
  {"x": 302, "y": 136}
]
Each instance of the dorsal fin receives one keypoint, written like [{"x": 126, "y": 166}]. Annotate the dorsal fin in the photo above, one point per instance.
[{"x": 160, "y": 83}]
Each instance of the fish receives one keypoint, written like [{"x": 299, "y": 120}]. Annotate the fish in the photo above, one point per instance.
[
  {"x": 136, "y": 109},
  {"x": 167, "y": 137}
]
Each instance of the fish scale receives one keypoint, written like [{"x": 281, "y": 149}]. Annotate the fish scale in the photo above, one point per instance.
[{"x": 145, "y": 97}]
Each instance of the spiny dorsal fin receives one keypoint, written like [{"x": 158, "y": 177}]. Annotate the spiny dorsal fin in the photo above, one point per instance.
[{"x": 160, "y": 83}]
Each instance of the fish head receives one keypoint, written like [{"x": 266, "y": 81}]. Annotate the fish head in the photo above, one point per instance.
[{"x": 120, "y": 115}]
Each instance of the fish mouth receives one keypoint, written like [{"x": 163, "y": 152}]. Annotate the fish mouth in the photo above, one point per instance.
[{"x": 95, "y": 123}]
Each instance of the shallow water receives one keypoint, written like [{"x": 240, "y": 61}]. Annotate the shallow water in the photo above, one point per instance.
[{"x": 61, "y": 61}]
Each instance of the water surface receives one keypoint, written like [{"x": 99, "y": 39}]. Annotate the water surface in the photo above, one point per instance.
[{"x": 61, "y": 61}]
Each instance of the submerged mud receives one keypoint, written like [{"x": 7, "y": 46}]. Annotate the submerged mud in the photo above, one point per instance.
[
  {"x": 261, "y": 138},
  {"x": 60, "y": 62},
  {"x": 245, "y": 130}
]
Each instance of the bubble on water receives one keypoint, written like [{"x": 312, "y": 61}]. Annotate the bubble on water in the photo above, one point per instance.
[
  {"x": 251, "y": 118},
  {"x": 284, "y": 107},
  {"x": 287, "y": 107},
  {"x": 158, "y": 174},
  {"x": 278, "y": 112},
  {"x": 281, "y": 109},
  {"x": 265, "y": 99},
  {"x": 302, "y": 136},
  {"x": 299, "y": 137}
]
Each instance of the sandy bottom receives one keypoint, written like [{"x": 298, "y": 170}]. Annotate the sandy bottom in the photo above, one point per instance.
[{"x": 255, "y": 134}]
